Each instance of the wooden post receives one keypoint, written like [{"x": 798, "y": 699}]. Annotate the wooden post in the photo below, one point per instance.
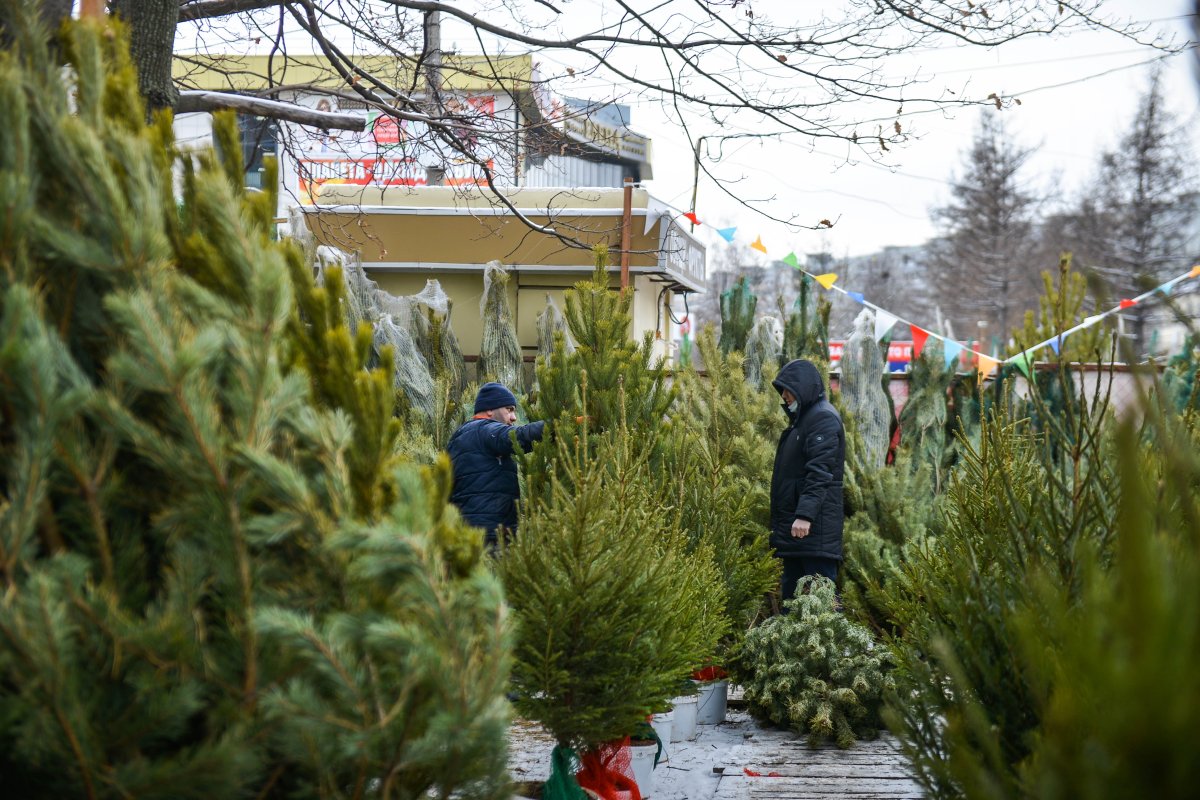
[
  {"x": 626, "y": 232},
  {"x": 91, "y": 8}
]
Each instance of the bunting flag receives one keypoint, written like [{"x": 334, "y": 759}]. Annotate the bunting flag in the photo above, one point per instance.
[
  {"x": 692, "y": 218},
  {"x": 856, "y": 297},
  {"x": 727, "y": 233},
  {"x": 1195, "y": 273},
  {"x": 1128, "y": 303},
  {"x": 759, "y": 246},
  {"x": 827, "y": 280},
  {"x": 987, "y": 365},
  {"x": 1056, "y": 343},
  {"x": 655, "y": 210},
  {"x": 1024, "y": 362},
  {"x": 883, "y": 323},
  {"x": 950, "y": 351},
  {"x": 791, "y": 260},
  {"x": 919, "y": 335}
]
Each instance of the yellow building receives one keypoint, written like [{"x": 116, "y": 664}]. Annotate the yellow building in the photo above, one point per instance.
[{"x": 373, "y": 192}]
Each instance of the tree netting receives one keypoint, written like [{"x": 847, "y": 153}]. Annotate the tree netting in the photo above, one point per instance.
[
  {"x": 764, "y": 346},
  {"x": 551, "y": 323},
  {"x": 499, "y": 353},
  {"x": 608, "y": 772},
  {"x": 862, "y": 390},
  {"x": 415, "y": 327},
  {"x": 737, "y": 315},
  {"x": 427, "y": 317}
]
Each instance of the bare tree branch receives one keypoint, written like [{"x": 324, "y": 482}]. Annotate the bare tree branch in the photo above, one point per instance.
[{"x": 215, "y": 101}]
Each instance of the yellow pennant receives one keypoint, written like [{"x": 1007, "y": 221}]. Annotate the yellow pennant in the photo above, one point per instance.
[
  {"x": 827, "y": 280},
  {"x": 987, "y": 365},
  {"x": 1195, "y": 273},
  {"x": 759, "y": 246}
]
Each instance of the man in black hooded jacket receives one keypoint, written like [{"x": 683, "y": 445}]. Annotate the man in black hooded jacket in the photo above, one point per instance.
[{"x": 806, "y": 484}]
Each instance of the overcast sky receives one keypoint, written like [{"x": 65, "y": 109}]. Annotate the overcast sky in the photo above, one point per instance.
[{"x": 877, "y": 205}]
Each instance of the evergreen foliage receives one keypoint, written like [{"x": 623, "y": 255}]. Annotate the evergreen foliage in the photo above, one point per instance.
[
  {"x": 624, "y": 386},
  {"x": 967, "y": 709},
  {"x": 737, "y": 316},
  {"x": 806, "y": 328},
  {"x": 1062, "y": 306},
  {"x": 611, "y": 611},
  {"x": 814, "y": 670},
  {"x": 1179, "y": 387},
  {"x": 217, "y": 581},
  {"x": 923, "y": 420},
  {"x": 719, "y": 457}
]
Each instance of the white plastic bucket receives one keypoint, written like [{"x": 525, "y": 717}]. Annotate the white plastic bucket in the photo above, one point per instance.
[
  {"x": 684, "y": 727},
  {"x": 711, "y": 702},
  {"x": 664, "y": 725},
  {"x": 642, "y": 762}
]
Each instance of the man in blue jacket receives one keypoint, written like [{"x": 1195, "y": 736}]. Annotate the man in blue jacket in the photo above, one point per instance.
[
  {"x": 806, "y": 484},
  {"x": 481, "y": 451}
]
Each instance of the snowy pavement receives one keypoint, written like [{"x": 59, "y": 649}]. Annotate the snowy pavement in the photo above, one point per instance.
[{"x": 720, "y": 765}]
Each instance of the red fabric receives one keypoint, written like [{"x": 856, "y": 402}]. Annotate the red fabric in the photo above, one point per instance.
[
  {"x": 608, "y": 771},
  {"x": 692, "y": 218},
  {"x": 713, "y": 673},
  {"x": 1128, "y": 303},
  {"x": 483, "y": 415},
  {"x": 752, "y": 774},
  {"x": 918, "y": 337}
]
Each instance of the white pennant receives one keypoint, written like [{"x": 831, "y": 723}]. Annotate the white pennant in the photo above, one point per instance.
[
  {"x": 654, "y": 210},
  {"x": 883, "y": 323}
]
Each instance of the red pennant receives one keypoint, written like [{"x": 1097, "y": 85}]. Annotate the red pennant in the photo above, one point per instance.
[
  {"x": 1128, "y": 303},
  {"x": 692, "y": 218},
  {"x": 918, "y": 336}
]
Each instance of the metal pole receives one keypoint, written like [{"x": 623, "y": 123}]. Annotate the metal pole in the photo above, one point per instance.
[{"x": 626, "y": 232}]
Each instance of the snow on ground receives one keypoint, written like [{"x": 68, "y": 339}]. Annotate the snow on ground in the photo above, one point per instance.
[{"x": 686, "y": 774}]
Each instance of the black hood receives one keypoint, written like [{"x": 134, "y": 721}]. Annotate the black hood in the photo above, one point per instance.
[{"x": 803, "y": 379}]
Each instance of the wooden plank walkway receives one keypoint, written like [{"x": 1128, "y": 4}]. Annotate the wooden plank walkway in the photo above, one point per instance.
[{"x": 869, "y": 770}]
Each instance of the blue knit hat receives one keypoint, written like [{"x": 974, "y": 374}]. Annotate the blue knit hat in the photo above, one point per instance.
[{"x": 492, "y": 396}]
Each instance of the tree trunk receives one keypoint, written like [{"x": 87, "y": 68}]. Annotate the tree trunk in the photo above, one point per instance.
[{"x": 152, "y": 41}]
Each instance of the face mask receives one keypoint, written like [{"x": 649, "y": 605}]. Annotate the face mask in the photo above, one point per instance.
[{"x": 794, "y": 407}]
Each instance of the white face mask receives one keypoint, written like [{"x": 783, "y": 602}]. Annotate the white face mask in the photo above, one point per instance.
[{"x": 794, "y": 407}]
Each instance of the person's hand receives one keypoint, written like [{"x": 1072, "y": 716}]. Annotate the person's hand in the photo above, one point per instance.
[{"x": 800, "y": 528}]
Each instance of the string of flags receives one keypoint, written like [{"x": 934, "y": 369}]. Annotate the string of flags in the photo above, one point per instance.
[{"x": 951, "y": 350}]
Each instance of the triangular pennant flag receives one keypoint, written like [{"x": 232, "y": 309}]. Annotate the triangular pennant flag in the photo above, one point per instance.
[
  {"x": 791, "y": 260},
  {"x": 655, "y": 210},
  {"x": 987, "y": 365},
  {"x": 918, "y": 336},
  {"x": 1056, "y": 343},
  {"x": 759, "y": 246},
  {"x": 856, "y": 297},
  {"x": 1195, "y": 273},
  {"x": 1024, "y": 362},
  {"x": 883, "y": 323},
  {"x": 950, "y": 352},
  {"x": 827, "y": 280},
  {"x": 692, "y": 218},
  {"x": 1128, "y": 303},
  {"x": 727, "y": 233}
]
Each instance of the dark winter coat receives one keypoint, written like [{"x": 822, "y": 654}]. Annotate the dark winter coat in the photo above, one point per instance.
[
  {"x": 809, "y": 463},
  {"x": 485, "y": 474}
]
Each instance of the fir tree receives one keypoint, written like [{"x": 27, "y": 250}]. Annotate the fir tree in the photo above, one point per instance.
[
  {"x": 218, "y": 582},
  {"x": 814, "y": 670},
  {"x": 737, "y": 316}
]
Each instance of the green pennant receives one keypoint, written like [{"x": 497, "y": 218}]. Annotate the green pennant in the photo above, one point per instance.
[
  {"x": 1024, "y": 362},
  {"x": 791, "y": 260}
]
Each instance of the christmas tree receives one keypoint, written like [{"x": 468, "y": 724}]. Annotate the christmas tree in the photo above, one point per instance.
[{"x": 218, "y": 581}]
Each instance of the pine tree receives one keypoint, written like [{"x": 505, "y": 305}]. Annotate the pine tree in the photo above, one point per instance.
[
  {"x": 814, "y": 670},
  {"x": 218, "y": 582},
  {"x": 737, "y": 316},
  {"x": 806, "y": 327}
]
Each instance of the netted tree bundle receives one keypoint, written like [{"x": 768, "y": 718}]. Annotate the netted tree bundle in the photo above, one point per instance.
[
  {"x": 410, "y": 375},
  {"x": 923, "y": 418},
  {"x": 427, "y": 317},
  {"x": 552, "y": 323},
  {"x": 737, "y": 316},
  {"x": 862, "y": 390},
  {"x": 764, "y": 347},
  {"x": 500, "y": 352}
]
